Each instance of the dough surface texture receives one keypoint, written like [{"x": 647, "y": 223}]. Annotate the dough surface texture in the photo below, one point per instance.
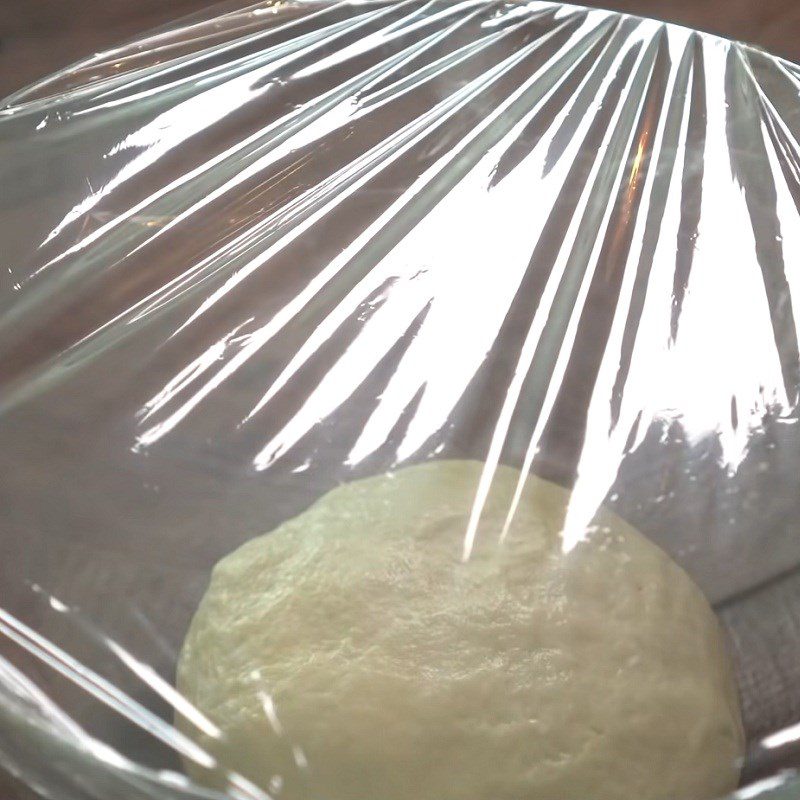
[{"x": 352, "y": 654}]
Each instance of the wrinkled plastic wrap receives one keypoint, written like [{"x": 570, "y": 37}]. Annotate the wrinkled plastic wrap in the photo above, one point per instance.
[{"x": 282, "y": 246}]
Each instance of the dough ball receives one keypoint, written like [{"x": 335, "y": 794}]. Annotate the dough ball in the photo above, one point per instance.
[{"x": 352, "y": 654}]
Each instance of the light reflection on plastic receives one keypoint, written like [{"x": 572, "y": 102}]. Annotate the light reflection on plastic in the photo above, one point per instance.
[
  {"x": 782, "y": 737},
  {"x": 354, "y": 176},
  {"x": 761, "y": 787},
  {"x": 151, "y": 678},
  {"x": 98, "y": 687},
  {"x": 271, "y": 714},
  {"x": 714, "y": 357},
  {"x": 170, "y": 129}
]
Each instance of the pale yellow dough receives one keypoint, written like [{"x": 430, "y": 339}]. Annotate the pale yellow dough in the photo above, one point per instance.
[{"x": 351, "y": 654}]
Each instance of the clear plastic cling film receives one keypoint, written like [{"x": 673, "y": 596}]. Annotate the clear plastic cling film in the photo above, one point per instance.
[{"x": 291, "y": 251}]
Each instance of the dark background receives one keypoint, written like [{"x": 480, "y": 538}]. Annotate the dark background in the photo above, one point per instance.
[{"x": 40, "y": 36}]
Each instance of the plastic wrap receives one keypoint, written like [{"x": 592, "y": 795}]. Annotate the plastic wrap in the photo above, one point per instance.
[{"x": 284, "y": 246}]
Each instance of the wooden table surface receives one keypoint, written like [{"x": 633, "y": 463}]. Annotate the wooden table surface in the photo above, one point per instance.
[{"x": 40, "y": 36}]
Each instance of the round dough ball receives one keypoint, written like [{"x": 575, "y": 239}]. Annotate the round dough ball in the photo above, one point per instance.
[{"x": 352, "y": 654}]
